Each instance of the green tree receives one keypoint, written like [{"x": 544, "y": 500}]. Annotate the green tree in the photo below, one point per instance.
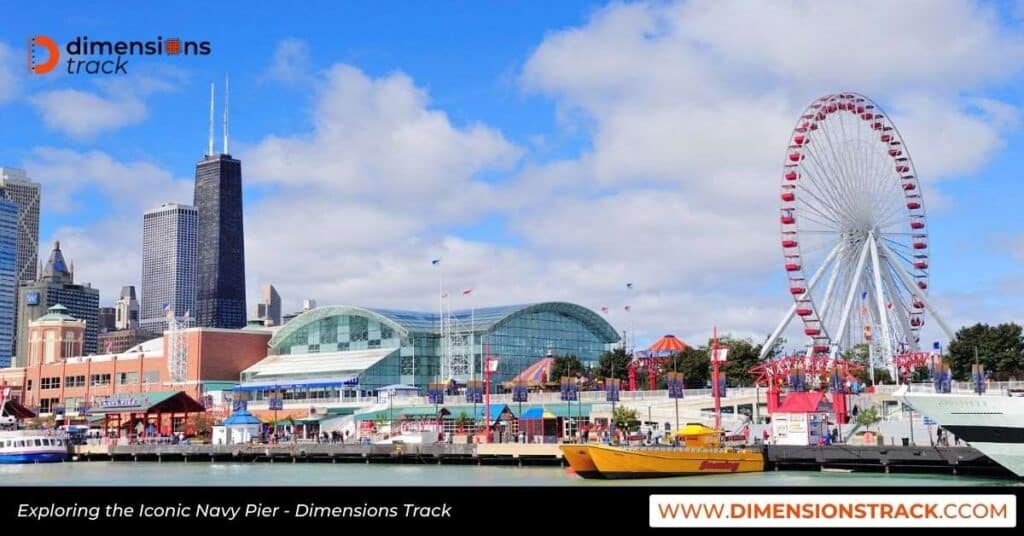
[
  {"x": 743, "y": 356},
  {"x": 201, "y": 425},
  {"x": 624, "y": 417},
  {"x": 614, "y": 364},
  {"x": 695, "y": 364},
  {"x": 1000, "y": 349},
  {"x": 858, "y": 354},
  {"x": 565, "y": 365},
  {"x": 868, "y": 417}
]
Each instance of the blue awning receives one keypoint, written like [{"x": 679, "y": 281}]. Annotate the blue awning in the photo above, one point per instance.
[
  {"x": 299, "y": 384},
  {"x": 533, "y": 414}
]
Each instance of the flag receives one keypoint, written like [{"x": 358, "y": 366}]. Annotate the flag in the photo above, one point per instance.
[
  {"x": 864, "y": 295},
  {"x": 720, "y": 354},
  {"x": 628, "y": 308},
  {"x": 168, "y": 311},
  {"x": 435, "y": 262},
  {"x": 629, "y": 285},
  {"x": 936, "y": 345},
  {"x": 888, "y": 306},
  {"x": 604, "y": 309},
  {"x": 467, "y": 292}
]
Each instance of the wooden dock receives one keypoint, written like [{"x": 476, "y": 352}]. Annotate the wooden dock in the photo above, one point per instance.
[{"x": 493, "y": 454}]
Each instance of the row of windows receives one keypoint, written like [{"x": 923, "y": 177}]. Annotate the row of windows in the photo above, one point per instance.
[
  {"x": 37, "y": 442},
  {"x": 123, "y": 378}
]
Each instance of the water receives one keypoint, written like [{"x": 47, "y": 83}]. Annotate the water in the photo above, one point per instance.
[{"x": 320, "y": 474}]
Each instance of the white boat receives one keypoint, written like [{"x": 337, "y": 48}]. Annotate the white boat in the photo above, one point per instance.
[
  {"x": 991, "y": 423},
  {"x": 32, "y": 446}
]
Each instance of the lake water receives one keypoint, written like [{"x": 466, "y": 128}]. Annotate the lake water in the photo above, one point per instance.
[{"x": 348, "y": 474}]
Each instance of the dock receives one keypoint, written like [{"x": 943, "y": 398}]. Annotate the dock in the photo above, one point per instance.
[
  {"x": 846, "y": 458},
  {"x": 514, "y": 454}
]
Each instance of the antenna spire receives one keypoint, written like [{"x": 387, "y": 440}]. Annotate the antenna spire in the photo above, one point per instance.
[
  {"x": 225, "y": 127},
  {"x": 209, "y": 149}
]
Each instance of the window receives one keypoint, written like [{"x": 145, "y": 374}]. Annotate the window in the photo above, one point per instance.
[
  {"x": 151, "y": 376},
  {"x": 49, "y": 383},
  {"x": 100, "y": 379},
  {"x": 29, "y": 386},
  {"x": 74, "y": 381},
  {"x": 127, "y": 378}
]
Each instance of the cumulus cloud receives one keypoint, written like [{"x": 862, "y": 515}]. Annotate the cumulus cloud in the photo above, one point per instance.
[
  {"x": 378, "y": 140},
  {"x": 117, "y": 103},
  {"x": 10, "y": 82}
]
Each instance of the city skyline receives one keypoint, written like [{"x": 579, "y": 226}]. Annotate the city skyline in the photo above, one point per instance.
[{"x": 598, "y": 146}]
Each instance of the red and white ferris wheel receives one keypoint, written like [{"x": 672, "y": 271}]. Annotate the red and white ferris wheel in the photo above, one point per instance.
[{"x": 854, "y": 232}]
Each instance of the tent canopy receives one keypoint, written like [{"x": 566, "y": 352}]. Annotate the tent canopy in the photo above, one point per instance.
[
  {"x": 695, "y": 429},
  {"x": 804, "y": 402},
  {"x": 536, "y": 373},
  {"x": 669, "y": 344},
  {"x": 241, "y": 418},
  {"x": 16, "y": 410},
  {"x": 536, "y": 414}
]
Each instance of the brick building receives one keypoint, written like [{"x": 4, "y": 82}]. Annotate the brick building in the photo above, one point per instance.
[{"x": 59, "y": 376}]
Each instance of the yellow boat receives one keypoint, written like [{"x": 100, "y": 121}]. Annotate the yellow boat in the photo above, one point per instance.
[
  {"x": 580, "y": 461},
  {"x": 701, "y": 454}
]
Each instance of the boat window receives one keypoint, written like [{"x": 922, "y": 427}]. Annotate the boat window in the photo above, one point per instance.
[
  {"x": 60, "y": 442},
  {"x": 21, "y": 443},
  {"x": 39, "y": 442}
]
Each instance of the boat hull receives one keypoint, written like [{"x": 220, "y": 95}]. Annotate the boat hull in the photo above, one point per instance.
[
  {"x": 580, "y": 461},
  {"x": 661, "y": 462},
  {"x": 33, "y": 457},
  {"x": 992, "y": 424}
]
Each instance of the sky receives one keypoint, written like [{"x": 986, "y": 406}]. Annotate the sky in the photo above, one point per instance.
[{"x": 544, "y": 151}]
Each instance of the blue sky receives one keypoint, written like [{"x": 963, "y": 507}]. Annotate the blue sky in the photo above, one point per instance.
[{"x": 545, "y": 150}]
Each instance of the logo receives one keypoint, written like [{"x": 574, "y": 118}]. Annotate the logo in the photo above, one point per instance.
[
  {"x": 712, "y": 465},
  {"x": 52, "y": 54},
  {"x": 83, "y": 55}
]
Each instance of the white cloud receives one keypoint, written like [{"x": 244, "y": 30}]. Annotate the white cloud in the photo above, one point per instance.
[
  {"x": 10, "y": 81},
  {"x": 68, "y": 176},
  {"x": 290, "y": 63},
  {"x": 119, "y": 103},
  {"x": 377, "y": 141},
  {"x": 82, "y": 114}
]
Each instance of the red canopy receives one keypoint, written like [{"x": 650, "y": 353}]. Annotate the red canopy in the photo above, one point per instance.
[
  {"x": 668, "y": 344},
  {"x": 801, "y": 402}
]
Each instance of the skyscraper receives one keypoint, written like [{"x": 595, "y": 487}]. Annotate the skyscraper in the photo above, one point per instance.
[
  {"x": 56, "y": 286},
  {"x": 126, "y": 309},
  {"x": 8, "y": 278},
  {"x": 169, "y": 235},
  {"x": 269, "y": 308},
  {"x": 106, "y": 318},
  {"x": 15, "y": 186},
  {"x": 220, "y": 268}
]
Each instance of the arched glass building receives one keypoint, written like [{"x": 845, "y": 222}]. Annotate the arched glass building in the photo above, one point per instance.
[{"x": 345, "y": 348}]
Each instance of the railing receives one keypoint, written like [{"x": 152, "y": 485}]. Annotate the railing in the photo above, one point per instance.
[{"x": 957, "y": 387}]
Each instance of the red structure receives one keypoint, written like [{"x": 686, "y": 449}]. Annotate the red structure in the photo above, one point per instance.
[
  {"x": 817, "y": 372},
  {"x": 653, "y": 359}
]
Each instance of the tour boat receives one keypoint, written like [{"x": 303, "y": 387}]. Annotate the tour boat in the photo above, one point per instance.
[
  {"x": 992, "y": 423},
  {"x": 32, "y": 446},
  {"x": 700, "y": 453}
]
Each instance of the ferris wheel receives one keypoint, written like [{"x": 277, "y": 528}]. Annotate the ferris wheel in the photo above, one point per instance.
[{"x": 854, "y": 232}]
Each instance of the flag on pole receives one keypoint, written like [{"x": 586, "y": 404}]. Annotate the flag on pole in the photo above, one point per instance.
[
  {"x": 435, "y": 262},
  {"x": 629, "y": 285},
  {"x": 168, "y": 311},
  {"x": 467, "y": 292},
  {"x": 863, "y": 303},
  {"x": 720, "y": 354}
]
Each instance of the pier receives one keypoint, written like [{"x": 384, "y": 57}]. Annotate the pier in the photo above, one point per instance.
[{"x": 961, "y": 460}]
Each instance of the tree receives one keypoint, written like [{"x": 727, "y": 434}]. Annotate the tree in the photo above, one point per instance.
[
  {"x": 859, "y": 354},
  {"x": 624, "y": 417},
  {"x": 463, "y": 421},
  {"x": 743, "y": 356},
  {"x": 614, "y": 364},
  {"x": 201, "y": 425},
  {"x": 565, "y": 365},
  {"x": 695, "y": 364},
  {"x": 868, "y": 417},
  {"x": 999, "y": 348}
]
